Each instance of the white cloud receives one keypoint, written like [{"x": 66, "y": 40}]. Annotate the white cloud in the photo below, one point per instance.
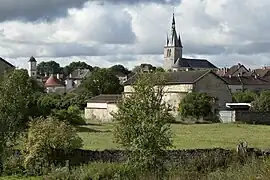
[{"x": 224, "y": 31}]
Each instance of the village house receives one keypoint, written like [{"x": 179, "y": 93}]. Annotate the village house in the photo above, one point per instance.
[
  {"x": 240, "y": 78},
  {"x": 100, "y": 107},
  {"x": 57, "y": 82},
  {"x": 251, "y": 83},
  {"x": 5, "y": 65},
  {"x": 235, "y": 70},
  {"x": 177, "y": 85}
]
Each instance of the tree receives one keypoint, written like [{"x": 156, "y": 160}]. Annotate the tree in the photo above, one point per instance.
[
  {"x": 102, "y": 81},
  {"x": 16, "y": 93},
  {"x": 244, "y": 97},
  {"x": 76, "y": 65},
  {"x": 141, "y": 123},
  {"x": 196, "y": 105},
  {"x": 50, "y": 67},
  {"x": 119, "y": 69},
  {"x": 72, "y": 115},
  {"x": 160, "y": 69},
  {"x": 262, "y": 103},
  {"x": 43, "y": 137}
]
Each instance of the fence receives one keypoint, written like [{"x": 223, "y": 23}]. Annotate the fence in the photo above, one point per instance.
[{"x": 250, "y": 117}]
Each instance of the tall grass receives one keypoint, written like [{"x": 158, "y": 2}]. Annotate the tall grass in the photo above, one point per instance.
[{"x": 254, "y": 169}]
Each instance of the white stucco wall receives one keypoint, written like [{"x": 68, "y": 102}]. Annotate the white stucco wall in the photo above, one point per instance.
[
  {"x": 57, "y": 89},
  {"x": 100, "y": 111}
]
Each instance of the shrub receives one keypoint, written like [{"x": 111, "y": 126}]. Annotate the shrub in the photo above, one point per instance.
[
  {"x": 45, "y": 135},
  {"x": 244, "y": 97},
  {"x": 196, "y": 105},
  {"x": 141, "y": 123},
  {"x": 72, "y": 115},
  {"x": 13, "y": 165}
]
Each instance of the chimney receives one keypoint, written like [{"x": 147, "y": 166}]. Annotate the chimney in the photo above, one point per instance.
[
  {"x": 58, "y": 76},
  {"x": 70, "y": 75},
  {"x": 239, "y": 65},
  {"x": 256, "y": 76},
  {"x": 249, "y": 69}
]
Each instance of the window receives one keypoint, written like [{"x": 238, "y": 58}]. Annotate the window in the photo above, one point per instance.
[
  {"x": 33, "y": 73},
  {"x": 169, "y": 51}
]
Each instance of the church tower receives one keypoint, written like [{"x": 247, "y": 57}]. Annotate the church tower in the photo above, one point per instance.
[
  {"x": 32, "y": 68},
  {"x": 172, "y": 49}
]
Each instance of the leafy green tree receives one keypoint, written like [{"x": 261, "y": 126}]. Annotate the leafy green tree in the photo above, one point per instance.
[
  {"x": 48, "y": 102},
  {"x": 16, "y": 93},
  {"x": 141, "y": 124},
  {"x": 72, "y": 115},
  {"x": 50, "y": 67},
  {"x": 196, "y": 105},
  {"x": 119, "y": 69},
  {"x": 102, "y": 81},
  {"x": 262, "y": 103},
  {"x": 244, "y": 97},
  {"x": 76, "y": 65},
  {"x": 43, "y": 136}
]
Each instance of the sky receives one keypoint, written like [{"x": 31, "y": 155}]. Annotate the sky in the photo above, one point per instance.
[{"x": 130, "y": 32}]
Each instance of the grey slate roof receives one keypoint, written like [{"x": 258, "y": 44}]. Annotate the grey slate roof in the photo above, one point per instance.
[
  {"x": 106, "y": 98},
  {"x": 262, "y": 72},
  {"x": 32, "y": 59},
  {"x": 9, "y": 64},
  {"x": 194, "y": 63},
  {"x": 80, "y": 73},
  {"x": 179, "y": 77},
  {"x": 246, "y": 80},
  {"x": 235, "y": 70}
]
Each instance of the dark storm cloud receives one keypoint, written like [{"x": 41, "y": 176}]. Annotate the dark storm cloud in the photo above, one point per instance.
[
  {"x": 172, "y": 2},
  {"x": 32, "y": 10}
]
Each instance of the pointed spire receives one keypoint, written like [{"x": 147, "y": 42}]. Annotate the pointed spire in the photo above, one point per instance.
[
  {"x": 173, "y": 22},
  {"x": 167, "y": 40},
  {"x": 179, "y": 41}
]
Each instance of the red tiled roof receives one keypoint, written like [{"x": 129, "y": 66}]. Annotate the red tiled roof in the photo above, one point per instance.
[{"x": 53, "y": 81}]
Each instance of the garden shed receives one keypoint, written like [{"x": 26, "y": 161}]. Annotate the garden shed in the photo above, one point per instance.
[{"x": 100, "y": 107}]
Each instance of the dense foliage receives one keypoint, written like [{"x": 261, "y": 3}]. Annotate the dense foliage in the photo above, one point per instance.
[
  {"x": 45, "y": 135},
  {"x": 102, "y": 81},
  {"x": 244, "y": 97},
  {"x": 50, "y": 67},
  {"x": 197, "y": 105},
  {"x": 262, "y": 103},
  {"x": 17, "y": 93},
  {"x": 141, "y": 123}
]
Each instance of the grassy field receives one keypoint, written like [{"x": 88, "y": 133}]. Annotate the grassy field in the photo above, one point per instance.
[{"x": 100, "y": 137}]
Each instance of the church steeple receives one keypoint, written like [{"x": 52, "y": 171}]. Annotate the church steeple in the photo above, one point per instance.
[
  {"x": 174, "y": 40},
  {"x": 173, "y": 48}
]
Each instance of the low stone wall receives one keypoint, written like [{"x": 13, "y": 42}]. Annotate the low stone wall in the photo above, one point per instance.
[
  {"x": 253, "y": 117},
  {"x": 79, "y": 156}
]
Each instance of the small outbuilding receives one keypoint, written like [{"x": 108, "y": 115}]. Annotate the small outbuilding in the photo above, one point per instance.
[{"x": 100, "y": 107}]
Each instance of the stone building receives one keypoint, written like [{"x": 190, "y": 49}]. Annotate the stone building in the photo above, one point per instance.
[
  {"x": 101, "y": 107},
  {"x": 235, "y": 70},
  {"x": 173, "y": 55},
  {"x": 53, "y": 84},
  {"x": 252, "y": 83},
  {"x": 177, "y": 85},
  {"x": 5, "y": 65}
]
